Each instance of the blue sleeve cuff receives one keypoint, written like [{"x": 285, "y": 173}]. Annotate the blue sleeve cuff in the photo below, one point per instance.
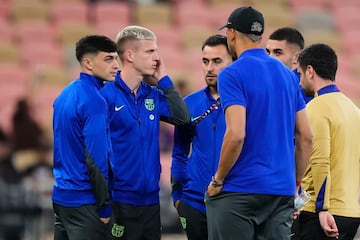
[
  {"x": 176, "y": 195},
  {"x": 165, "y": 83},
  {"x": 105, "y": 212}
]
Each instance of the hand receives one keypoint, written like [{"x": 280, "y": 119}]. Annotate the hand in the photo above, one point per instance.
[
  {"x": 105, "y": 220},
  {"x": 328, "y": 224},
  {"x": 296, "y": 214},
  {"x": 176, "y": 204},
  {"x": 160, "y": 70},
  {"x": 151, "y": 80},
  {"x": 212, "y": 191}
]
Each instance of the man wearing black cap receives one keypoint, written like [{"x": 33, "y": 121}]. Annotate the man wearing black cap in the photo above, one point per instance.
[{"x": 252, "y": 192}]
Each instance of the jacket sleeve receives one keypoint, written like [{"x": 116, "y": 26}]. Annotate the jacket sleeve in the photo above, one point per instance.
[
  {"x": 320, "y": 159},
  {"x": 175, "y": 110},
  {"x": 97, "y": 156},
  {"x": 181, "y": 151}
]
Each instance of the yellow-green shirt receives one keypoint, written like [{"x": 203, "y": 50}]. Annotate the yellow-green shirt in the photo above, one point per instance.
[{"x": 333, "y": 175}]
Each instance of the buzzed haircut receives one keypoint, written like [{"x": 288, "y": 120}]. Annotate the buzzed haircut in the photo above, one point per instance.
[
  {"x": 131, "y": 33},
  {"x": 93, "y": 44},
  {"x": 322, "y": 58},
  {"x": 291, "y": 35}
]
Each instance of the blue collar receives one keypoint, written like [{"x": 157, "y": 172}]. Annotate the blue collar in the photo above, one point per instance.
[
  {"x": 95, "y": 80},
  {"x": 120, "y": 82},
  {"x": 328, "y": 89}
]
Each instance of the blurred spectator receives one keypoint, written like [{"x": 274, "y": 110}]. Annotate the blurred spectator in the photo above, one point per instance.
[
  {"x": 13, "y": 205},
  {"x": 183, "y": 87},
  {"x": 27, "y": 133}
]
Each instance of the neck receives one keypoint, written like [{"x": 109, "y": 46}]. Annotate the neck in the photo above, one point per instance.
[
  {"x": 214, "y": 92},
  {"x": 131, "y": 78},
  {"x": 245, "y": 44}
]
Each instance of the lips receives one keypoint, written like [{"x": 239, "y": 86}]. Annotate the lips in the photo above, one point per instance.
[{"x": 210, "y": 76}]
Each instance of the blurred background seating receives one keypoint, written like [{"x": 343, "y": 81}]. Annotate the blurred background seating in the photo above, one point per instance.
[{"x": 37, "y": 39}]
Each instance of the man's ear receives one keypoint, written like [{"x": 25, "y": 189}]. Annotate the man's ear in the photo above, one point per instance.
[
  {"x": 231, "y": 34},
  {"x": 295, "y": 58},
  {"x": 87, "y": 63},
  {"x": 310, "y": 72},
  {"x": 129, "y": 55}
]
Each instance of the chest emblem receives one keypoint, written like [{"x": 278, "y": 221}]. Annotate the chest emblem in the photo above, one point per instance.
[{"x": 149, "y": 104}]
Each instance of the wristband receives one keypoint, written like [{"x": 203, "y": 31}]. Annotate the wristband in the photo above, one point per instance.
[
  {"x": 215, "y": 183},
  {"x": 298, "y": 183}
]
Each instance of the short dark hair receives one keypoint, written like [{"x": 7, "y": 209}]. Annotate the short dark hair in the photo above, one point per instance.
[
  {"x": 291, "y": 35},
  {"x": 216, "y": 40},
  {"x": 94, "y": 44},
  {"x": 322, "y": 58}
]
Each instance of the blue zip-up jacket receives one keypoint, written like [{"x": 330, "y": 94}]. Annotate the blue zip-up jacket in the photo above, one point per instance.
[
  {"x": 196, "y": 150},
  {"x": 134, "y": 127},
  {"x": 82, "y": 146}
]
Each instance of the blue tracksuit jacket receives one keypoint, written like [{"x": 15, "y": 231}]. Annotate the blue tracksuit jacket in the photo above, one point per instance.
[
  {"x": 196, "y": 150},
  {"x": 134, "y": 127},
  {"x": 82, "y": 146}
]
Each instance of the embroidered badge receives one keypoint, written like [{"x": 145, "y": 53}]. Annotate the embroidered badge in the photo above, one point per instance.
[
  {"x": 117, "y": 230},
  {"x": 183, "y": 222},
  {"x": 149, "y": 104},
  {"x": 256, "y": 27}
]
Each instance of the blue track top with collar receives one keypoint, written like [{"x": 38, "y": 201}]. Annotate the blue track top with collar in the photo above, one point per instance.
[
  {"x": 134, "y": 127},
  {"x": 82, "y": 146},
  {"x": 190, "y": 174}
]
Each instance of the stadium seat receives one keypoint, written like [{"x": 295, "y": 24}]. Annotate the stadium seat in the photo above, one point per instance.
[
  {"x": 276, "y": 14},
  {"x": 41, "y": 54},
  {"x": 9, "y": 53},
  {"x": 69, "y": 13},
  {"x": 57, "y": 76},
  {"x": 189, "y": 15},
  {"x": 193, "y": 37},
  {"x": 35, "y": 31},
  {"x": 29, "y": 10},
  {"x": 108, "y": 28},
  {"x": 315, "y": 19},
  {"x": 117, "y": 12},
  {"x": 7, "y": 31},
  {"x": 158, "y": 13},
  {"x": 346, "y": 17},
  {"x": 14, "y": 73},
  {"x": 329, "y": 37},
  {"x": 70, "y": 33}
]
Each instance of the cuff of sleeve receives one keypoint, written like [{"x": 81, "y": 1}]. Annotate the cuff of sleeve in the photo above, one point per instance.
[
  {"x": 105, "y": 212},
  {"x": 165, "y": 83},
  {"x": 321, "y": 210},
  {"x": 176, "y": 195}
]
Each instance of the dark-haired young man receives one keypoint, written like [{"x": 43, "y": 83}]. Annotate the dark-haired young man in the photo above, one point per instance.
[
  {"x": 82, "y": 148},
  {"x": 332, "y": 176},
  {"x": 286, "y": 44},
  {"x": 197, "y": 146}
]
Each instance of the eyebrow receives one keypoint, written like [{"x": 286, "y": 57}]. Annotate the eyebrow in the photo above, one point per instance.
[
  {"x": 278, "y": 50},
  {"x": 109, "y": 56},
  {"x": 212, "y": 59}
]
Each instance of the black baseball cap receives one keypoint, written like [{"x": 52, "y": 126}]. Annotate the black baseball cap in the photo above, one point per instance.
[{"x": 246, "y": 20}]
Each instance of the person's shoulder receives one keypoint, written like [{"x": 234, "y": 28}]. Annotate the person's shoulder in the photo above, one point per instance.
[
  {"x": 107, "y": 86},
  {"x": 195, "y": 95}
]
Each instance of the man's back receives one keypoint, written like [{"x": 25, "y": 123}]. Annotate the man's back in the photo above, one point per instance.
[{"x": 270, "y": 93}]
